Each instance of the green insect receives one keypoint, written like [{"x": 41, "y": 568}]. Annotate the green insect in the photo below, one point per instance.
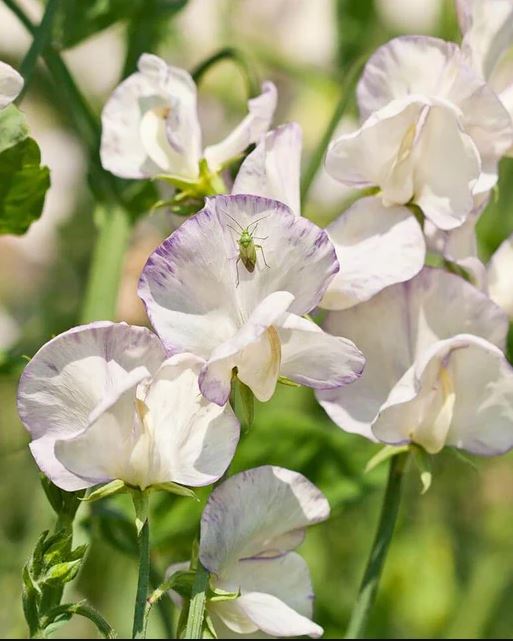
[{"x": 247, "y": 247}]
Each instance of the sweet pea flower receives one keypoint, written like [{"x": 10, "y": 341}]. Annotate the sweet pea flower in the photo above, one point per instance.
[
  {"x": 375, "y": 246},
  {"x": 500, "y": 276},
  {"x": 201, "y": 298},
  {"x": 487, "y": 27},
  {"x": 11, "y": 83},
  {"x": 150, "y": 125},
  {"x": 435, "y": 372},
  {"x": 432, "y": 131},
  {"x": 250, "y": 527},
  {"x": 102, "y": 402}
]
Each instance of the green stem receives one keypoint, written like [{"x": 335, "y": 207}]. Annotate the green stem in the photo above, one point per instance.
[
  {"x": 370, "y": 581},
  {"x": 340, "y": 108},
  {"x": 101, "y": 295},
  {"x": 42, "y": 37},
  {"x": 194, "y": 627},
  {"x": 143, "y": 583},
  {"x": 238, "y": 58}
]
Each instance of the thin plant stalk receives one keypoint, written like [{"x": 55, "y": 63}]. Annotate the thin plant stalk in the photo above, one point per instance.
[{"x": 143, "y": 583}]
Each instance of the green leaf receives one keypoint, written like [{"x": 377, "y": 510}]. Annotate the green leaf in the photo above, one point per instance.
[
  {"x": 13, "y": 128},
  {"x": 23, "y": 186},
  {"x": 114, "y": 487},
  {"x": 384, "y": 454},
  {"x": 62, "y": 573},
  {"x": 175, "y": 488},
  {"x": 423, "y": 462},
  {"x": 31, "y": 597}
]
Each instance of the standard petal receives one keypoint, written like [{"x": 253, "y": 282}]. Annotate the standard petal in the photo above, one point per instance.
[
  {"x": 257, "y": 122},
  {"x": 272, "y": 170},
  {"x": 193, "y": 440},
  {"x": 198, "y": 293},
  {"x": 150, "y": 123},
  {"x": 314, "y": 358},
  {"x": 254, "y": 350},
  {"x": 500, "y": 276},
  {"x": 411, "y": 316},
  {"x": 258, "y": 513},
  {"x": 11, "y": 83},
  {"x": 376, "y": 246},
  {"x": 73, "y": 375}
]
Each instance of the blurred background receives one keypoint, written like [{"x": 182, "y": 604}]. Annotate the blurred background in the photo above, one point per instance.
[{"x": 450, "y": 568}]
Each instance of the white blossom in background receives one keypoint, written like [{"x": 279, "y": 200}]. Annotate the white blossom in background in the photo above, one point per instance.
[
  {"x": 11, "y": 83},
  {"x": 435, "y": 372},
  {"x": 410, "y": 16},
  {"x": 500, "y": 276},
  {"x": 200, "y": 298},
  {"x": 487, "y": 28},
  {"x": 250, "y": 527},
  {"x": 432, "y": 131},
  {"x": 150, "y": 125},
  {"x": 375, "y": 247},
  {"x": 101, "y": 402}
]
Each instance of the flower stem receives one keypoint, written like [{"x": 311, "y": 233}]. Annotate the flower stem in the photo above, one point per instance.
[
  {"x": 138, "y": 630},
  {"x": 370, "y": 581},
  {"x": 340, "y": 108},
  {"x": 194, "y": 627},
  {"x": 238, "y": 58}
]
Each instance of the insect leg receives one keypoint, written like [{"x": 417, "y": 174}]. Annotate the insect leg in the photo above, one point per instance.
[
  {"x": 237, "y": 270},
  {"x": 263, "y": 255}
]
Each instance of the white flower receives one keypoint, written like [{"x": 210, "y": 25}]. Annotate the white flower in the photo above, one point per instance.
[
  {"x": 500, "y": 276},
  {"x": 202, "y": 299},
  {"x": 150, "y": 125},
  {"x": 249, "y": 529},
  {"x": 376, "y": 246},
  {"x": 435, "y": 374},
  {"x": 11, "y": 83},
  {"x": 432, "y": 130},
  {"x": 102, "y": 403},
  {"x": 487, "y": 27}
]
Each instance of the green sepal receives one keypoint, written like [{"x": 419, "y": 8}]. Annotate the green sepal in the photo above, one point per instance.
[
  {"x": 462, "y": 457},
  {"x": 175, "y": 488},
  {"x": 283, "y": 380},
  {"x": 246, "y": 406},
  {"x": 423, "y": 462},
  {"x": 384, "y": 454},
  {"x": 209, "y": 632},
  {"x": 215, "y": 595},
  {"x": 114, "y": 487},
  {"x": 141, "y": 503}
]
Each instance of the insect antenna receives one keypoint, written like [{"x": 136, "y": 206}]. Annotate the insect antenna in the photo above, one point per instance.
[
  {"x": 255, "y": 222},
  {"x": 235, "y": 221}
]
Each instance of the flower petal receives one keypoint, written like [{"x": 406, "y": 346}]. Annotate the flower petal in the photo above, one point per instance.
[
  {"x": 258, "y": 513},
  {"x": 411, "y": 316},
  {"x": 198, "y": 293},
  {"x": 257, "y": 122},
  {"x": 193, "y": 440},
  {"x": 500, "y": 277},
  {"x": 72, "y": 376},
  {"x": 316, "y": 359},
  {"x": 11, "y": 83},
  {"x": 272, "y": 170},
  {"x": 150, "y": 123},
  {"x": 254, "y": 350},
  {"x": 377, "y": 246}
]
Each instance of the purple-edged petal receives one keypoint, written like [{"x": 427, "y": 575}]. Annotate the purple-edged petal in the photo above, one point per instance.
[
  {"x": 258, "y": 513},
  {"x": 198, "y": 294},
  {"x": 11, "y": 83},
  {"x": 314, "y": 358},
  {"x": 500, "y": 276},
  {"x": 410, "y": 317},
  {"x": 459, "y": 393},
  {"x": 272, "y": 170},
  {"x": 377, "y": 246},
  {"x": 150, "y": 123},
  {"x": 72, "y": 376},
  {"x": 257, "y": 122}
]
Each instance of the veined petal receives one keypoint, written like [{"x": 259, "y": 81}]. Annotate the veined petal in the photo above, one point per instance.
[
  {"x": 411, "y": 316},
  {"x": 257, "y": 122},
  {"x": 72, "y": 376},
  {"x": 193, "y": 440},
  {"x": 198, "y": 293},
  {"x": 150, "y": 123},
  {"x": 500, "y": 276},
  {"x": 11, "y": 83},
  {"x": 255, "y": 350},
  {"x": 258, "y": 513},
  {"x": 272, "y": 170},
  {"x": 377, "y": 246},
  {"x": 314, "y": 358}
]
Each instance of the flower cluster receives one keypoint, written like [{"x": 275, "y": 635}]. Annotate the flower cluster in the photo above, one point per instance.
[{"x": 407, "y": 354}]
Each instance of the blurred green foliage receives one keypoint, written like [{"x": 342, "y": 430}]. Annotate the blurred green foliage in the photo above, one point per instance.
[{"x": 450, "y": 569}]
